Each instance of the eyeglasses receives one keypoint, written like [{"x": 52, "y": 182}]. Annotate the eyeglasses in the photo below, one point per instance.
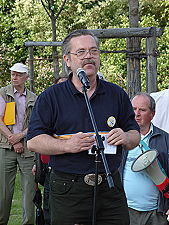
[{"x": 94, "y": 52}]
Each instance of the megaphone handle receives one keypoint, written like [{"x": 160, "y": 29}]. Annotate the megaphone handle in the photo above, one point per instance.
[{"x": 164, "y": 187}]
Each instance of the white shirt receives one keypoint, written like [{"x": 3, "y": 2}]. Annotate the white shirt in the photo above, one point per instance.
[{"x": 161, "y": 118}]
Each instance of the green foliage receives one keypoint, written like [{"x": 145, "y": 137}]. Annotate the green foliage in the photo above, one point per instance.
[
  {"x": 43, "y": 75},
  {"x": 163, "y": 60},
  {"x": 27, "y": 20},
  {"x": 158, "y": 9},
  {"x": 6, "y": 56},
  {"x": 163, "y": 49},
  {"x": 115, "y": 68}
]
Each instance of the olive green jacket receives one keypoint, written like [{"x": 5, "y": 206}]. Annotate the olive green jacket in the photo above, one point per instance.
[{"x": 8, "y": 95}]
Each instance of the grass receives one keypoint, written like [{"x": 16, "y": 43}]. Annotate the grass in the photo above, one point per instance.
[{"x": 16, "y": 210}]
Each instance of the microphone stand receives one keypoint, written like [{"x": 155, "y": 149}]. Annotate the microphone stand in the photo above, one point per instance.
[{"x": 99, "y": 150}]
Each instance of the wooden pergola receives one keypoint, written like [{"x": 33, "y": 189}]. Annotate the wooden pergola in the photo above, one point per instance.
[{"x": 149, "y": 33}]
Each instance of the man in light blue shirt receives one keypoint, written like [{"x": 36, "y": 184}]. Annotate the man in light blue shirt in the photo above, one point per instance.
[{"x": 146, "y": 204}]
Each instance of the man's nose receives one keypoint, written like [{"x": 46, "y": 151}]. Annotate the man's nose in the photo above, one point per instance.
[
  {"x": 136, "y": 112},
  {"x": 88, "y": 54}
]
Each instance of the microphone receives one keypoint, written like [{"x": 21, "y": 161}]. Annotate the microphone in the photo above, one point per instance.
[{"x": 83, "y": 77}]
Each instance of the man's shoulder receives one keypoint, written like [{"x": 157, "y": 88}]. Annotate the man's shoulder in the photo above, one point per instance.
[
  {"x": 112, "y": 86},
  {"x": 7, "y": 87},
  {"x": 31, "y": 96},
  {"x": 160, "y": 94},
  {"x": 157, "y": 130},
  {"x": 55, "y": 90},
  {"x": 6, "y": 90},
  {"x": 31, "y": 93},
  {"x": 160, "y": 139}
]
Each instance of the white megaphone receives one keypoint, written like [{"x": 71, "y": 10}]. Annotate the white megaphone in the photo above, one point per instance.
[{"x": 148, "y": 162}]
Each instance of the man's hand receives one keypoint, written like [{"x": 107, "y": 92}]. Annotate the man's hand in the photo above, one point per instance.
[
  {"x": 15, "y": 138},
  {"x": 129, "y": 139},
  {"x": 79, "y": 142},
  {"x": 34, "y": 170},
  {"x": 117, "y": 137},
  {"x": 18, "y": 147},
  {"x": 167, "y": 213}
]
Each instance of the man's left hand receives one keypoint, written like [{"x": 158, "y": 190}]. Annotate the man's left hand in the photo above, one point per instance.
[{"x": 117, "y": 137}]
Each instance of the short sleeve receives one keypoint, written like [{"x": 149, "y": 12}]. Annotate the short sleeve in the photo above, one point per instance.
[{"x": 2, "y": 106}]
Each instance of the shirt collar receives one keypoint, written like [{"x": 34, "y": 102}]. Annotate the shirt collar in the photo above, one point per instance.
[
  {"x": 149, "y": 133},
  {"x": 99, "y": 89},
  {"x": 15, "y": 91}
]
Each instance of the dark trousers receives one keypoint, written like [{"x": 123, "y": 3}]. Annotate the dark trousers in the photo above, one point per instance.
[
  {"x": 147, "y": 217},
  {"x": 71, "y": 201},
  {"x": 46, "y": 206}
]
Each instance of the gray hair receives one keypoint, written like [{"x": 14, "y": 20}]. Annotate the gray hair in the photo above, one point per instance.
[
  {"x": 66, "y": 46},
  {"x": 152, "y": 103}
]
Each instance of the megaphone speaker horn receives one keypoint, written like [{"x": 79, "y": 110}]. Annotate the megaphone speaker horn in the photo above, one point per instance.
[{"x": 148, "y": 162}]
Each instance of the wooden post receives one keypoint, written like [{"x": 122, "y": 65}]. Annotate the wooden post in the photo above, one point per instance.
[
  {"x": 31, "y": 68},
  {"x": 133, "y": 67},
  {"x": 133, "y": 45},
  {"x": 151, "y": 63}
]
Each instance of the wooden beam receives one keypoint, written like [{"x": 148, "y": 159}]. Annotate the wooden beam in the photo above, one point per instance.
[
  {"x": 42, "y": 43},
  {"x": 109, "y": 33},
  {"x": 127, "y": 32}
]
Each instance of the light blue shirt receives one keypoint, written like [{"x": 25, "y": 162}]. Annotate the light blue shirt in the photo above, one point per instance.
[{"x": 141, "y": 192}]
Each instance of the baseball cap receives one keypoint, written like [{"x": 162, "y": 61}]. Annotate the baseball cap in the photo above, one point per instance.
[{"x": 19, "y": 67}]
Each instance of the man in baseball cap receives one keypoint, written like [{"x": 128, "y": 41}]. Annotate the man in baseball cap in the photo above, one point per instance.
[{"x": 13, "y": 147}]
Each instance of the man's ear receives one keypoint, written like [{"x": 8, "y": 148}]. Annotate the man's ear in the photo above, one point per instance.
[
  {"x": 153, "y": 113},
  {"x": 26, "y": 77},
  {"x": 67, "y": 60}
]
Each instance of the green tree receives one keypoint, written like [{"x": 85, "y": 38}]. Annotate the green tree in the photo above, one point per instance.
[
  {"x": 6, "y": 21},
  {"x": 27, "y": 20}
]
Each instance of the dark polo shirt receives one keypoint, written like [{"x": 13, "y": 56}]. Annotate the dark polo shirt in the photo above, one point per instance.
[{"x": 62, "y": 109}]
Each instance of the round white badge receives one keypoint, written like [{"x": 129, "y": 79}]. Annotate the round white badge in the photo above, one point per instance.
[{"x": 111, "y": 121}]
